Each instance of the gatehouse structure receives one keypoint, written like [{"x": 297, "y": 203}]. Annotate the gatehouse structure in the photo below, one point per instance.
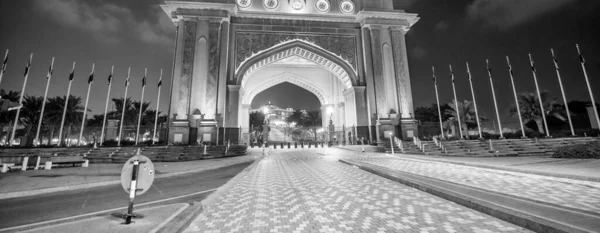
[{"x": 351, "y": 54}]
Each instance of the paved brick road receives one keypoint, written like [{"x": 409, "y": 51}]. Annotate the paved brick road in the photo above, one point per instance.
[
  {"x": 570, "y": 193},
  {"x": 298, "y": 191}
]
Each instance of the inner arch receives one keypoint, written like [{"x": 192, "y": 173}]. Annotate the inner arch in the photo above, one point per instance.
[
  {"x": 330, "y": 62},
  {"x": 297, "y": 80}
]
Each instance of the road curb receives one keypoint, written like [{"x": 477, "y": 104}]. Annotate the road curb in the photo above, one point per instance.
[
  {"x": 515, "y": 216},
  {"x": 540, "y": 173},
  {"x": 107, "y": 183}
]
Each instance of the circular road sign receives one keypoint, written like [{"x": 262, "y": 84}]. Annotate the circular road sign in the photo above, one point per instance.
[{"x": 145, "y": 174}]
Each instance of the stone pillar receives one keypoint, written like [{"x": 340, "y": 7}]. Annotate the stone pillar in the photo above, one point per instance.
[
  {"x": 378, "y": 75},
  {"x": 402, "y": 72},
  {"x": 223, "y": 67},
  {"x": 182, "y": 76},
  {"x": 370, "y": 103},
  {"x": 231, "y": 112}
]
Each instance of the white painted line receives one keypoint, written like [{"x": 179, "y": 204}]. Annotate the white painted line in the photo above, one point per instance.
[
  {"x": 103, "y": 211},
  {"x": 156, "y": 207},
  {"x": 161, "y": 225}
]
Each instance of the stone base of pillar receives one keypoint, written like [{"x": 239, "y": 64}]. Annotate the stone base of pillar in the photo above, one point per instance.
[
  {"x": 232, "y": 135},
  {"x": 179, "y": 132},
  {"x": 386, "y": 128},
  {"x": 207, "y": 134},
  {"x": 409, "y": 128}
]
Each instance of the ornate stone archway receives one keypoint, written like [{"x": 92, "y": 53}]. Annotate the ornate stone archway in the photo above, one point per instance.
[
  {"x": 248, "y": 95},
  {"x": 221, "y": 43}
]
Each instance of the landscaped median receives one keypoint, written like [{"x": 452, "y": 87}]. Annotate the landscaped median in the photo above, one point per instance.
[{"x": 34, "y": 182}]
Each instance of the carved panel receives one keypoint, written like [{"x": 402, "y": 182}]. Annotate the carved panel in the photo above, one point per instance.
[
  {"x": 376, "y": 56},
  {"x": 213, "y": 69},
  {"x": 402, "y": 73},
  {"x": 249, "y": 43},
  {"x": 189, "y": 46}
]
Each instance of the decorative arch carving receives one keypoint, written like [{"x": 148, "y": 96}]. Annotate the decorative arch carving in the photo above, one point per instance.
[
  {"x": 329, "y": 61},
  {"x": 248, "y": 95}
]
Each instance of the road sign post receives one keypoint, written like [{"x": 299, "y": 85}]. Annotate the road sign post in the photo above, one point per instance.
[{"x": 136, "y": 178}]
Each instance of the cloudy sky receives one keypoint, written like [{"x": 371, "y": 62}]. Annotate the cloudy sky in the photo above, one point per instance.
[{"x": 137, "y": 33}]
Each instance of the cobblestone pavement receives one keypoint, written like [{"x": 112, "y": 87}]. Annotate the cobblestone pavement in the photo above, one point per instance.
[
  {"x": 299, "y": 191},
  {"x": 582, "y": 195}
]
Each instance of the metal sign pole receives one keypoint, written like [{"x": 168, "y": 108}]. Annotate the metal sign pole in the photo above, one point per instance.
[{"x": 132, "y": 191}]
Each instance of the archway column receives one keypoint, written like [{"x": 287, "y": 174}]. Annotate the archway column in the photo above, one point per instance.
[{"x": 232, "y": 113}]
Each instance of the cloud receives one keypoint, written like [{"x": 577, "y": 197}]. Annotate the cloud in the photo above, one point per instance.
[
  {"x": 505, "y": 14},
  {"x": 418, "y": 52},
  {"x": 442, "y": 25},
  {"x": 402, "y": 4},
  {"x": 107, "y": 22}
]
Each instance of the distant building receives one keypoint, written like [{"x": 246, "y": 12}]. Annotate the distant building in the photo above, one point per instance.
[{"x": 275, "y": 114}]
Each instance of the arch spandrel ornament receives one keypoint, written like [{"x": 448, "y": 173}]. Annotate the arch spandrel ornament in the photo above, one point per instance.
[
  {"x": 248, "y": 44},
  {"x": 332, "y": 63}
]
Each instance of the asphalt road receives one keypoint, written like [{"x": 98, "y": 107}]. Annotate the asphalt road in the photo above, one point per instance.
[{"x": 28, "y": 210}]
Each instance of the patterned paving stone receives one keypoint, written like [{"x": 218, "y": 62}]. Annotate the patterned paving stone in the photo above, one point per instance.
[
  {"x": 299, "y": 191},
  {"x": 559, "y": 191}
]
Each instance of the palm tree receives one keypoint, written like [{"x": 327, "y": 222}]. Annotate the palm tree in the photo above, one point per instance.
[
  {"x": 30, "y": 116},
  {"x": 72, "y": 118},
  {"x": 530, "y": 109},
  {"x": 130, "y": 114},
  {"x": 468, "y": 118},
  {"x": 313, "y": 120},
  {"x": 6, "y": 118}
]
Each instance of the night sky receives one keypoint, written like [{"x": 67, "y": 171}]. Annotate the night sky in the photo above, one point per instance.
[{"x": 137, "y": 33}]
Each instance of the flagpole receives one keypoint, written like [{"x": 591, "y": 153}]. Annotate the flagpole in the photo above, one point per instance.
[
  {"x": 537, "y": 88},
  {"x": 48, "y": 77},
  {"x": 137, "y": 132},
  {"x": 106, "y": 105},
  {"x": 157, "y": 106},
  {"x": 27, "y": 68},
  {"x": 474, "y": 102},
  {"x": 62, "y": 122},
  {"x": 456, "y": 104},
  {"x": 87, "y": 98},
  {"x": 582, "y": 60},
  {"x": 512, "y": 81},
  {"x": 487, "y": 62},
  {"x": 562, "y": 91},
  {"x": 124, "y": 105},
  {"x": 437, "y": 98},
  {"x": 4, "y": 64}
]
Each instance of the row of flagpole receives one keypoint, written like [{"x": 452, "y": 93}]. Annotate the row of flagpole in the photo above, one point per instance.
[
  {"x": 533, "y": 70},
  {"x": 90, "y": 81}
]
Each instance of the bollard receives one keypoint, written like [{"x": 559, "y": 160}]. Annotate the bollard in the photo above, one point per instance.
[
  {"x": 295, "y": 144},
  {"x": 302, "y": 145},
  {"x": 204, "y": 153},
  {"x": 25, "y": 162},
  {"x": 363, "y": 149},
  {"x": 281, "y": 144},
  {"x": 491, "y": 145},
  {"x": 391, "y": 144},
  {"x": 289, "y": 144},
  {"x": 37, "y": 164}
]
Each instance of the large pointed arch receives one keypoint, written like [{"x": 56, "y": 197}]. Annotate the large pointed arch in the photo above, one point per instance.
[
  {"x": 329, "y": 61},
  {"x": 295, "y": 79}
]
